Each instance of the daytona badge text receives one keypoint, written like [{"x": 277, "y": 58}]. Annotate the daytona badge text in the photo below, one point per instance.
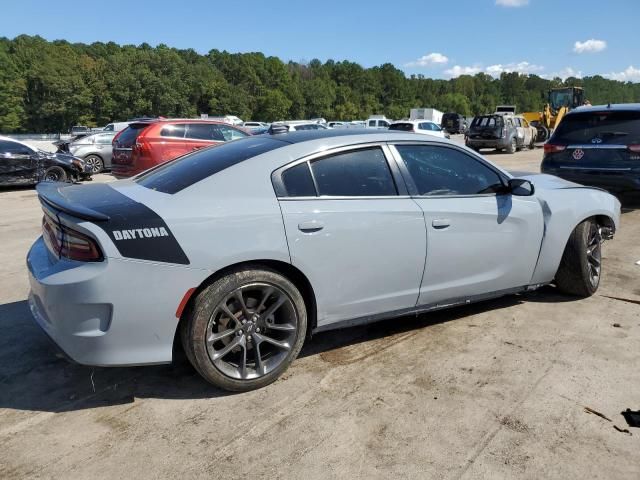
[{"x": 139, "y": 233}]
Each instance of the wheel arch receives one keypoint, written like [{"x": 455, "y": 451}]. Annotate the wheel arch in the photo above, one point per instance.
[{"x": 293, "y": 274}]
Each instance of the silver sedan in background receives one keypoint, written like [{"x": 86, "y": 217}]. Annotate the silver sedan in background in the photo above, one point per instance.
[{"x": 96, "y": 150}]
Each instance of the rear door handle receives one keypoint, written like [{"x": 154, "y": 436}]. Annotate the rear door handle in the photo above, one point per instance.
[
  {"x": 441, "y": 223},
  {"x": 311, "y": 226}
]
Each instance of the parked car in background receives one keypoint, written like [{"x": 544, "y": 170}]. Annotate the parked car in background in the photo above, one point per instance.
[
  {"x": 256, "y": 128},
  {"x": 598, "y": 146},
  {"x": 145, "y": 144},
  {"x": 78, "y": 129},
  {"x": 96, "y": 150},
  {"x": 336, "y": 124},
  {"x": 116, "y": 126},
  {"x": 419, "y": 126},
  {"x": 295, "y": 125},
  {"x": 21, "y": 164},
  {"x": 527, "y": 134},
  {"x": 378, "y": 121},
  {"x": 494, "y": 131},
  {"x": 240, "y": 252},
  {"x": 230, "y": 119},
  {"x": 454, "y": 123}
]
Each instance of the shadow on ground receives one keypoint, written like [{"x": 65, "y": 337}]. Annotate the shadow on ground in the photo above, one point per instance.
[{"x": 34, "y": 377}]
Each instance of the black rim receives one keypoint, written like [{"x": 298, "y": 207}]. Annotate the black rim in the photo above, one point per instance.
[
  {"x": 252, "y": 331},
  {"x": 52, "y": 176},
  {"x": 594, "y": 254}
]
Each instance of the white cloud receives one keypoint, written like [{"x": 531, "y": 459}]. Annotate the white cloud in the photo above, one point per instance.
[
  {"x": 631, "y": 74},
  {"x": 590, "y": 46},
  {"x": 520, "y": 67},
  {"x": 457, "y": 70},
  {"x": 428, "y": 60},
  {"x": 564, "y": 74},
  {"x": 512, "y": 3}
]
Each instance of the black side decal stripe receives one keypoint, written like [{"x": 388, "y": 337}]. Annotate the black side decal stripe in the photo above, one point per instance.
[{"x": 136, "y": 230}]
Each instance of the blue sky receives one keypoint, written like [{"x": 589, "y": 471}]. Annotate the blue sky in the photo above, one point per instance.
[{"x": 437, "y": 38}]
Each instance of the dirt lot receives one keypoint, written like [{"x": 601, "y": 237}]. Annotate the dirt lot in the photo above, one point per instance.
[{"x": 494, "y": 390}]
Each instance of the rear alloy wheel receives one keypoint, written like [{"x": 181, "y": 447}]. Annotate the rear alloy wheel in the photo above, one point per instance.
[
  {"x": 245, "y": 329},
  {"x": 94, "y": 163},
  {"x": 581, "y": 265},
  {"x": 55, "y": 174},
  {"x": 513, "y": 146}
]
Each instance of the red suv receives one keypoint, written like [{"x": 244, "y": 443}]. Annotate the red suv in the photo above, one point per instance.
[{"x": 147, "y": 143}]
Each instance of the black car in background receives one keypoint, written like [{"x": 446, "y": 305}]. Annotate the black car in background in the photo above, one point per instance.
[
  {"x": 453, "y": 123},
  {"x": 21, "y": 164},
  {"x": 493, "y": 131},
  {"x": 597, "y": 146}
]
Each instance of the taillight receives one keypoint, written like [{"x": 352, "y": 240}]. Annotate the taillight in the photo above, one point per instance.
[
  {"x": 634, "y": 148},
  {"x": 63, "y": 241},
  {"x": 551, "y": 148},
  {"x": 503, "y": 132}
]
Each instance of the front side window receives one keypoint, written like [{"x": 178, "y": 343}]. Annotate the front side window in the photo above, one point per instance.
[
  {"x": 360, "y": 173},
  {"x": 226, "y": 134},
  {"x": 447, "y": 171}
]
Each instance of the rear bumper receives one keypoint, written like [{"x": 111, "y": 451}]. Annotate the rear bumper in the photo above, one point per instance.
[
  {"x": 487, "y": 142},
  {"x": 92, "y": 313},
  {"x": 123, "y": 171},
  {"x": 615, "y": 182}
]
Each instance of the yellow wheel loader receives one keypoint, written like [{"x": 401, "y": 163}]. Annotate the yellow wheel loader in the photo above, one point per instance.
[{"x": 561, "y": 100}]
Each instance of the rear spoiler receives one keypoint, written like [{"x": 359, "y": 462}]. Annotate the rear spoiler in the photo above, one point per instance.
[{"x": 52, "y": 195}]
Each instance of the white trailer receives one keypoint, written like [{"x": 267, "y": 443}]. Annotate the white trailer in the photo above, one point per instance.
[{"x": 430, "y": 114}]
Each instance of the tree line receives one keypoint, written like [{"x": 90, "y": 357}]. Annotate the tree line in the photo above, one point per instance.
[{"x": 50, "y": 86}]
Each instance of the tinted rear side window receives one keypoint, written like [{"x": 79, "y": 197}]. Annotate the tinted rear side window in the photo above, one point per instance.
[
  {"x": 171, "y": 177},
  {"x": 129, "y": 135},
  {"x": 298, "y": 182},
  {"x": 175, "y": 131},
  {"x": 613, "y": 127},
  {"x": 361, "y": 173}
]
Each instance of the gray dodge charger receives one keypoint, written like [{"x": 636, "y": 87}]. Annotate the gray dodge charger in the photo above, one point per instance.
[{"x": 242, "y": 251}]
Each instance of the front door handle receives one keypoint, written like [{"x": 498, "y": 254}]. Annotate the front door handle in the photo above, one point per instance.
[
  {"x": 441, "y": 223},
  {"x": 311, "y": 226}
]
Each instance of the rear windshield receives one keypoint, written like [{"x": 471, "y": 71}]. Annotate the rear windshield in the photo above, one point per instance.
[
  {"x": 174, "y": 176},
  {"x": 404, "y": 127},
  {"x": 129, "y": 135},
  {"x": 487, "y": 121},
  {"x": 612, "y": 127}
]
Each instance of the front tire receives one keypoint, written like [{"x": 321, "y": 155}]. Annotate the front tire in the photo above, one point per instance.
[
  {"x": 55, "y": 174},
  {"x": 581, "y": 265},
  {"x": 245, "y": 329}
]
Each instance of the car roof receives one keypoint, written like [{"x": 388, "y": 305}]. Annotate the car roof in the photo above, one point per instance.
[
  {"x": 614, "y": 107},
  {"x": 349, "y": 136}
]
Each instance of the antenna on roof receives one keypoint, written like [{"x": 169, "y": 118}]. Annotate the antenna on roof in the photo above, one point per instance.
[{"x": 609, "y": 105}]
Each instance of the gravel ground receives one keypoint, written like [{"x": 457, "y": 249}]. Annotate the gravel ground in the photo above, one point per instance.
[{"x": 493, "y": 390}]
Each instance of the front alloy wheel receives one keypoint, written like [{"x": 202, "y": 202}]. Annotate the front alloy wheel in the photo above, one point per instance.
[{"x": 245, "y": 329}]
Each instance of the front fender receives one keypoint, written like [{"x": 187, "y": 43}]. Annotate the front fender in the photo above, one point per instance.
[{"x": 563, "y": 210}]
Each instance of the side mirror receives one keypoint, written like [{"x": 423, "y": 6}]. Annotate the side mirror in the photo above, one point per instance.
[{"x": 521, "y": 187}]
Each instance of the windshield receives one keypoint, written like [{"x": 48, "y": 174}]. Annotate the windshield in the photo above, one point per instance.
[
  {"x": 599, "y": 127},
  {"x": 563, "y": 98}
]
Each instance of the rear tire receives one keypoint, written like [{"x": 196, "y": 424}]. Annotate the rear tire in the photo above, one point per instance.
[
  {"x": 581, "y": 265},
  {"x": 245, "y": 329},
  {"x": 95, "y": 163},
  {"x": 513, "y": 146}
]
